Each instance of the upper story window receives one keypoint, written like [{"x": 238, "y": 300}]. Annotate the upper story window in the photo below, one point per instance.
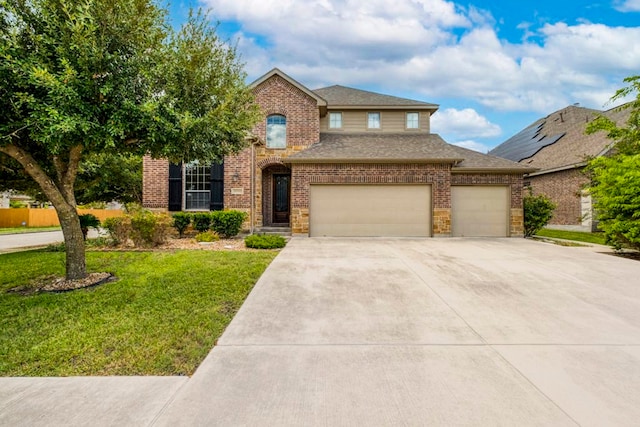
[
  {"x": 373, "y": 120},
  {"x": 335, "y": 120},
  {"x": 413, "y": 121},
  {"x": 276, "y": 131}
]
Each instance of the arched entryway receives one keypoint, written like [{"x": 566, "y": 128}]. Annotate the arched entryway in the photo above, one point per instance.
[{"x": 276, "y": 200}]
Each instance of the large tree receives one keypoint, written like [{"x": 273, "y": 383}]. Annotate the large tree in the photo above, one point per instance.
[
  {"x": 79, "y": 77},
  {"x": 615, "y": 177}
]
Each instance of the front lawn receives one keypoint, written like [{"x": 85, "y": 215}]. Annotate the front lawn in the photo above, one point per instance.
[
  {"x": 579, "y": 236},
  {"x": 161, "y": 317}
]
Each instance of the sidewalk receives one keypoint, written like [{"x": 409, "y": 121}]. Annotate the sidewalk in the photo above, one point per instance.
[{"x": 24, "y": 241}]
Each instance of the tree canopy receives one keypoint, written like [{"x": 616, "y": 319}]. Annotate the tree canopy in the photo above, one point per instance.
[
  {"x": 84, "y": 77},
  {"x": 615, "y": 177}
]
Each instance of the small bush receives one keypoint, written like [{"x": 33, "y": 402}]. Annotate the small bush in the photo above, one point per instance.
[
  {"x": 201, "y": 221},
  {"x": 119, "y": 229},
  {"x": 227, "y": 223},
  {"x": 181, "y": 221},
  {"x": 538, "y": 210},
  {"x": 207, "y": 236},
  {"x": 88, "y": 221},
  {"x": 264, "y": 241},
  {"x": 149, "y": 229}
]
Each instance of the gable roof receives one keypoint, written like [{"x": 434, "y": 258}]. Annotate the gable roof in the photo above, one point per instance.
[
  {"x": 558, "y": 141},
  {"x": 340, "y": 96},
  {"x": 399, "y": 148},
  {"x": 277, "y": 72}
]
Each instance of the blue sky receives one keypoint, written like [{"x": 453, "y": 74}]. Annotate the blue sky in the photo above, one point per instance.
[{"x": 493, "y": 66}]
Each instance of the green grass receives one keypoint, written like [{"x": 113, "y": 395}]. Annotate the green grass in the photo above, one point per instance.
[
  {"x": 579, "y": 236},
  {"x": 161, "y": 317},
  {"x": 20, "y": 230}
]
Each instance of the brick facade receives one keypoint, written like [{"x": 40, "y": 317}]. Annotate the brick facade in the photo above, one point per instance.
[
  {"x": 564, "y": 189},
  {"x": 248, "y": 175},
  {"x": 155, "y": 183}
]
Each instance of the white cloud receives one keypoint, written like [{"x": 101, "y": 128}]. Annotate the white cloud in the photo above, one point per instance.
[
  {"x": 627, "y": 5},
  {"x": 472, "y": 145},
  {"x": 435, "y": 49},
  {"x": 466, "y": 123}
]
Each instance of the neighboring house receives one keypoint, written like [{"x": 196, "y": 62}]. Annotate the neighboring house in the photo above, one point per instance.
[
  {"x": 339, "y": 161},
  {"x": 559, "y": 148}
]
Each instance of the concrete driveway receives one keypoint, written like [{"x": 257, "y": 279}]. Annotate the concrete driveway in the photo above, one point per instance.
[{"x": 427, "y": 332}]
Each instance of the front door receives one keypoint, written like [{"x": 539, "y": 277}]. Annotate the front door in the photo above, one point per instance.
[{"x": 281, "y": 185}]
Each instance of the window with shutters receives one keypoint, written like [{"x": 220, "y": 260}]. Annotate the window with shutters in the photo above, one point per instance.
[{"x": 197, "y": 186}]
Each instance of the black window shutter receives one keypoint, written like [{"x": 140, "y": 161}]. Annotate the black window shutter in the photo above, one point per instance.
[
  {"x": 175, "y": 187},
  {"x": 217, "y": 187}
]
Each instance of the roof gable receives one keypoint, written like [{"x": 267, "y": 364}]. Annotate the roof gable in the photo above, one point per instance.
[
  {"x": 276, "y": 72},
  {"x": 342, "y": 96}
]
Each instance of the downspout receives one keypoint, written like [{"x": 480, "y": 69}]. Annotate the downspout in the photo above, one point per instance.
[{"x": 253, "y": 187}]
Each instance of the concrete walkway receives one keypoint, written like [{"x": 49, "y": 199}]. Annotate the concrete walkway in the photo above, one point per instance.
[{"x": 394, "y": 332}]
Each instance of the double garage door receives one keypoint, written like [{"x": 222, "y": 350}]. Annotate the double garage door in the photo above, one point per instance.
[{"x": 404, "y": 210}]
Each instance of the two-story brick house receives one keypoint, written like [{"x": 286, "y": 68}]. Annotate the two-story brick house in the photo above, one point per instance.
[{"x": 339, "y": 161}]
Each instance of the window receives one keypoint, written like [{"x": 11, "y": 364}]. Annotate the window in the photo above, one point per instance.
[
  {"x": 413, "y": 121},
  {"x": 197, "y": 186},
  {"x": 276, "y": 131},
  {"x": 373, "y": 120},
  {"x": 335, "y": 120}
]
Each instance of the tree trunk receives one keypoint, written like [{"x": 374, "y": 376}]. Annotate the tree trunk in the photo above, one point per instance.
[
  {"x": 74, "y": 242},
  {"x": 61, "y": 195}
]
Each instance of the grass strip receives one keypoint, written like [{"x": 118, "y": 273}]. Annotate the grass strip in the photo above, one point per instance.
[{"x": 579, "y": 236}]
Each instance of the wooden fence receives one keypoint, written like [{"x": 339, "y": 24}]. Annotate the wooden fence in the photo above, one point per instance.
[{"x": 27, "y": 217}]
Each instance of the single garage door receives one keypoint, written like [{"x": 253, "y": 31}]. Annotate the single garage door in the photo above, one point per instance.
[
  {"x": 480, "y": 211},
  {"x": 370, "y": 210}
]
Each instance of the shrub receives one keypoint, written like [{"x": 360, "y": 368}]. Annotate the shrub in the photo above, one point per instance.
[
  {"x": 201, "y": 221},
  {"x": 181, "y": 221},
  {"x": 207, "y": 236},
  {"x": 227, "y": 223},
  {"x": 88, "y": 221},
  {"x": 149, "y": 229},
  {"x": 538, "y": 210},
  {"x": 264, "y": 241},
  {"x": 119, "y": 228}
]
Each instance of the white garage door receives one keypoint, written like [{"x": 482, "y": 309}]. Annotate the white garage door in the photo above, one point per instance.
[
  {"x": 370, "y": 210},
  {"x": 480, "y": 211}
]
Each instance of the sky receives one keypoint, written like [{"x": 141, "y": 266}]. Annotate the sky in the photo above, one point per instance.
[{"x": 494, "y": 67}]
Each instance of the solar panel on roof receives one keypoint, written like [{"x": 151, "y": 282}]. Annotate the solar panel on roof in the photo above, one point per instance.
[{"x": 525, "y": 144}]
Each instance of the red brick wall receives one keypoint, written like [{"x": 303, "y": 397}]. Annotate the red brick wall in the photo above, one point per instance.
[
  {"x": 513, "y": 180},
  {"x": 564, "y": 189},
  {"x": 277, "y": 96},
  {"x": 155, "y": 183},
  {"x": 438, "y": 175}
]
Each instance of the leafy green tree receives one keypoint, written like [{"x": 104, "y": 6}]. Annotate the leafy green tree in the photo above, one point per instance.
[
  {"x": 104, "y": 177},
  {"x": 79, "y": 77},
  {"x": 615, "y": 177}
]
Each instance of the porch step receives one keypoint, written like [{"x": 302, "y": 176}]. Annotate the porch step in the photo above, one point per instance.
[{"x": 278, "y": 231}]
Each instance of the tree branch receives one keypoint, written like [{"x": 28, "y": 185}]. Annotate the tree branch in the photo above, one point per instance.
[{"x": 36, "y": 172}]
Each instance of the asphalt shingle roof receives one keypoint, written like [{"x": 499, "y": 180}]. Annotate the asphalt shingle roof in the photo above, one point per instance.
[
  {"x": 398, "y": 148},
  {"x": 345, "y": 96},
  {"x": 559, "y": 140}
]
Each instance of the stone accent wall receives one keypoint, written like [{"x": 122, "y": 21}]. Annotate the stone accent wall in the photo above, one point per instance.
[
  {"x": 441, "y": 222},
  {"x": 565, "y": 189},
  {"x": 303, "y": 175},
  {"x": 155, "y": 183}
]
